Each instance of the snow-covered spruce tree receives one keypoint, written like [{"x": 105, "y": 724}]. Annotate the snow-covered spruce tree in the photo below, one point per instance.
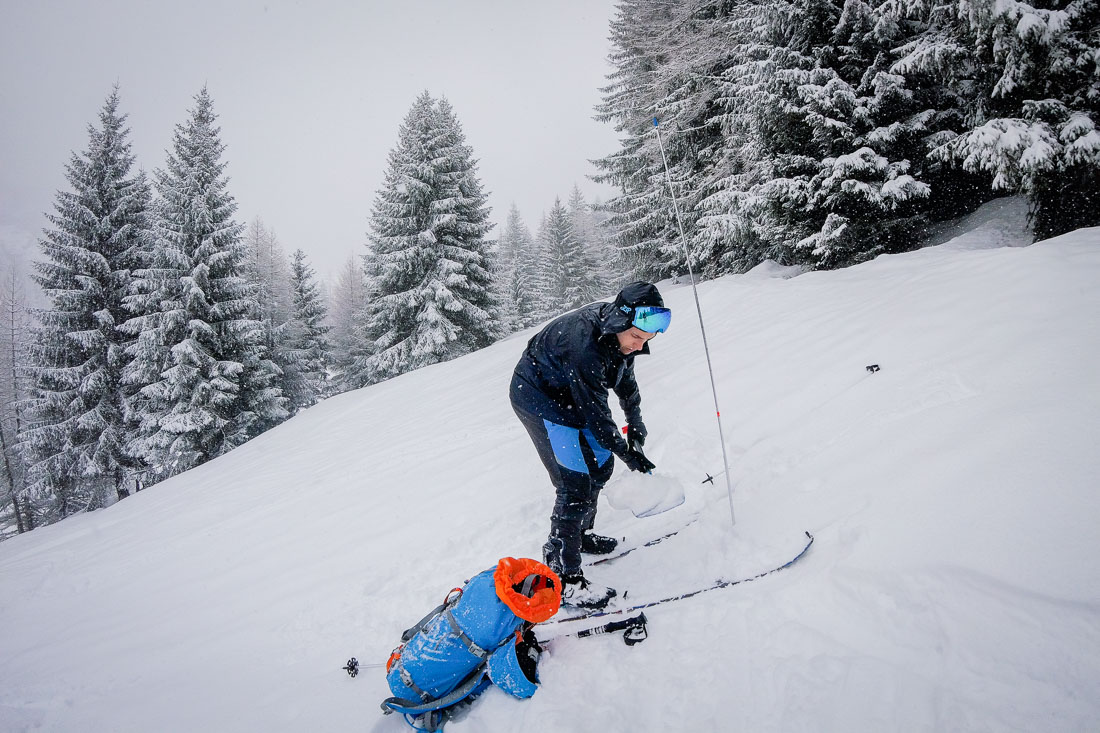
[
  {"x": 518, "y": 265},
  {"x": 499, "y": 273},
  {"x": 156, "y": 322},
  {"x": 569, "y": 277},
  {"x": 346, "y": 304},
  {"x": 1030, "y": 91},
  {"x": 13, "y": 361},
  {"x": 268, "y": 270},
  {"x": 790, "y": 134},
  {"x": 668, "y": 60},
  {"x": 200, "y": 336},
  {"x": 641, "y": 219},
  {"x": 429, "y": 285},
  {"x": 911, "y": 113},
  {"x": 306, "y": 347},
  {"x": 73, "y": 440},
  {"x": 829, "y": 129},
  {"x": 598, "y": 250}
]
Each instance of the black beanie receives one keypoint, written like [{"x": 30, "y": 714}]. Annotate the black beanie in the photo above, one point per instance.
[{"x": 639, "y": 293}]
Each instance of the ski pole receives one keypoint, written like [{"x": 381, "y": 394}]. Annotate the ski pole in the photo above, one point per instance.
[
  {"x": 353, "y": 666},
  {"x": 699, "y": 309},
  {"x": 633, "y": 628}
]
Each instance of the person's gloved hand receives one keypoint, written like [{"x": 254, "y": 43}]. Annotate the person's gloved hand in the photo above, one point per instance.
[
  {"x": 635, "y": 435},
  {"x": 635, "y": 460}
]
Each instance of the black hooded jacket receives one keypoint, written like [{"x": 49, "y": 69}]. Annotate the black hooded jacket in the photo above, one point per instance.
[{"x": 568, "y": 367}]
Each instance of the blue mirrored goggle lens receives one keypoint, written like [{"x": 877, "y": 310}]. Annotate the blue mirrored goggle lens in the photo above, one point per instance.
[{"x": 652, "y": 319}]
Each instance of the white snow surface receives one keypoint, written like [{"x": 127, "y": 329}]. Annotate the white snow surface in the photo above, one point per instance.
[{"x": 953, "y": 586}]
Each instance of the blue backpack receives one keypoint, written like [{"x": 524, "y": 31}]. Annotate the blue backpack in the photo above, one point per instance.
[{"x": 481, "y": 634}]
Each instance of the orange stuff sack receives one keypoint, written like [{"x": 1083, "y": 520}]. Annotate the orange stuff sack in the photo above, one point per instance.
[{"x": 546, "y": 597}]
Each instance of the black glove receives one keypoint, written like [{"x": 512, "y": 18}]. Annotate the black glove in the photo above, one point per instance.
[
  {"x": 528, "y": 652},
  {"x": 636, "y": 460},
  {"x": 635, "y": 435}
]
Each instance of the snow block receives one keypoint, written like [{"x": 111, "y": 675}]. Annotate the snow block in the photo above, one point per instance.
[{"x": 645, "y": 494}]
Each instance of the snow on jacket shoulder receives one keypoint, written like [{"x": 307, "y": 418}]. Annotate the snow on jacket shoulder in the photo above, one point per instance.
[{"x": 568, "y": 367}]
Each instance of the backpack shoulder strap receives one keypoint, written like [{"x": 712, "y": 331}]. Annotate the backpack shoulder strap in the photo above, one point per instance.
[
  {"x": 415, "y": 629},
  {"x": 450, "y": 600}
]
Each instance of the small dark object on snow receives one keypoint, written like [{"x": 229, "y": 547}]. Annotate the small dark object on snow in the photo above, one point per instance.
[
  {"x": 872, "y": 368},
  {"x": 352, "y": 667}
]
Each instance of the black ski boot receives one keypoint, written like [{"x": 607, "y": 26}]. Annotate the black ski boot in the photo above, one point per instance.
[
  {"x": 597, "y": 544},
  {"x": 577, "y": 591}
]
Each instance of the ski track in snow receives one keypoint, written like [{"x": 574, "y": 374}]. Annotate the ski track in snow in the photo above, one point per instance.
[{"x": 952, "y": 494}]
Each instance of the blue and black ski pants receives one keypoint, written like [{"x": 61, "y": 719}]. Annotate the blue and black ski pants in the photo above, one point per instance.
[{"x": 578, "y": 468}]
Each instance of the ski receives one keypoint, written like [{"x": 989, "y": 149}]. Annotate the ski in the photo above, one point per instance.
[
  {"x": 690, "y": 594},
  {"x": 622, "y": 552}
]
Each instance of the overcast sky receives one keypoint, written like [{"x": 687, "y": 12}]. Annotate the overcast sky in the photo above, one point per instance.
[{"x": 309, "y": 96}]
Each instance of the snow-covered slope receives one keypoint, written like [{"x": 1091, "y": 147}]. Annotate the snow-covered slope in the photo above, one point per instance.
[{"x": 953, "y": 585}]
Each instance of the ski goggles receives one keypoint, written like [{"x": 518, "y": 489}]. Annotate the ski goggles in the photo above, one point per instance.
[{"x": 651, "y": 319}]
